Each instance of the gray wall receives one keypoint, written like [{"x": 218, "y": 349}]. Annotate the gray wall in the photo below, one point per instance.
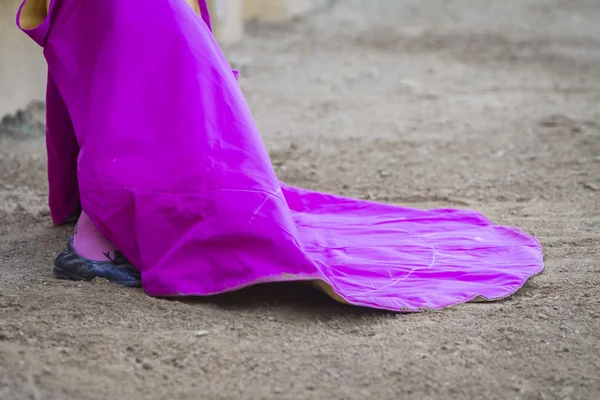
[{"x": 22, "y": 66}]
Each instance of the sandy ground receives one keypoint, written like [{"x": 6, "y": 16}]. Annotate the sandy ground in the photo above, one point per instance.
[{"x": 490, "y": 105}]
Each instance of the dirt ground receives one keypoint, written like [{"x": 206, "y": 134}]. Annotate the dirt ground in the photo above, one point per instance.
[{"x": 490, "y": 105}]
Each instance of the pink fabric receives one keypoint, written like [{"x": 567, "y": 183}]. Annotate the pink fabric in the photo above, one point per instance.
[
  {"x": 89, "y": 242},
  {"x": 204, "y": 13},
  {"x": 172, "y": 170}
]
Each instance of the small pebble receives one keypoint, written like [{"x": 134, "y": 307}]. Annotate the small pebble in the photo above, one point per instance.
[{"x": 200, "y": 333}]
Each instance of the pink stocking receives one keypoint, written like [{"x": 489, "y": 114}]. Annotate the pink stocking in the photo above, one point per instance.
[{"x": 89, "y": 242}]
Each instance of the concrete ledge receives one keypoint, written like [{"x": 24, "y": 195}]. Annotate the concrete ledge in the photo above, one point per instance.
[
  {"x": 275, "y": 10},
  {"x": 229, "y": 15},
  {"x": 227, "y": 19}
]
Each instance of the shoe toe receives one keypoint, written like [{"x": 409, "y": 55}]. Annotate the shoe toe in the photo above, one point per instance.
[{"x": 70, "y": 265}]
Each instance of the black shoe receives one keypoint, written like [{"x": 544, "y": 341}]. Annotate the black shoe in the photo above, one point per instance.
[{"x": 70, "y": 265}]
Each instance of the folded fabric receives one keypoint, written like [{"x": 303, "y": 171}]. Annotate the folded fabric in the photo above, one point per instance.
[{"x": 149, "y": 132}]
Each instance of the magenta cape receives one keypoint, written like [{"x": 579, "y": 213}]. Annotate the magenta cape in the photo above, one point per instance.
[{"x": 149, "y": 132}]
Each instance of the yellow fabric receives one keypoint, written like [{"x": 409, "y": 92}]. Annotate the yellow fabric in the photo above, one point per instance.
[
  {"x": 328, "y": 290},
  {"x": 33, "y": 13},
  {"x": 194, "y": 4}
]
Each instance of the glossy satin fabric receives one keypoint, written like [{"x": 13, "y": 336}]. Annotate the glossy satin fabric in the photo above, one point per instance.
[{"x": 149, "y": 132}]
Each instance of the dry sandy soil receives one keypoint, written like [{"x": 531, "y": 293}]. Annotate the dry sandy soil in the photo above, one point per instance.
[{"x": 490, "y": 105}]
